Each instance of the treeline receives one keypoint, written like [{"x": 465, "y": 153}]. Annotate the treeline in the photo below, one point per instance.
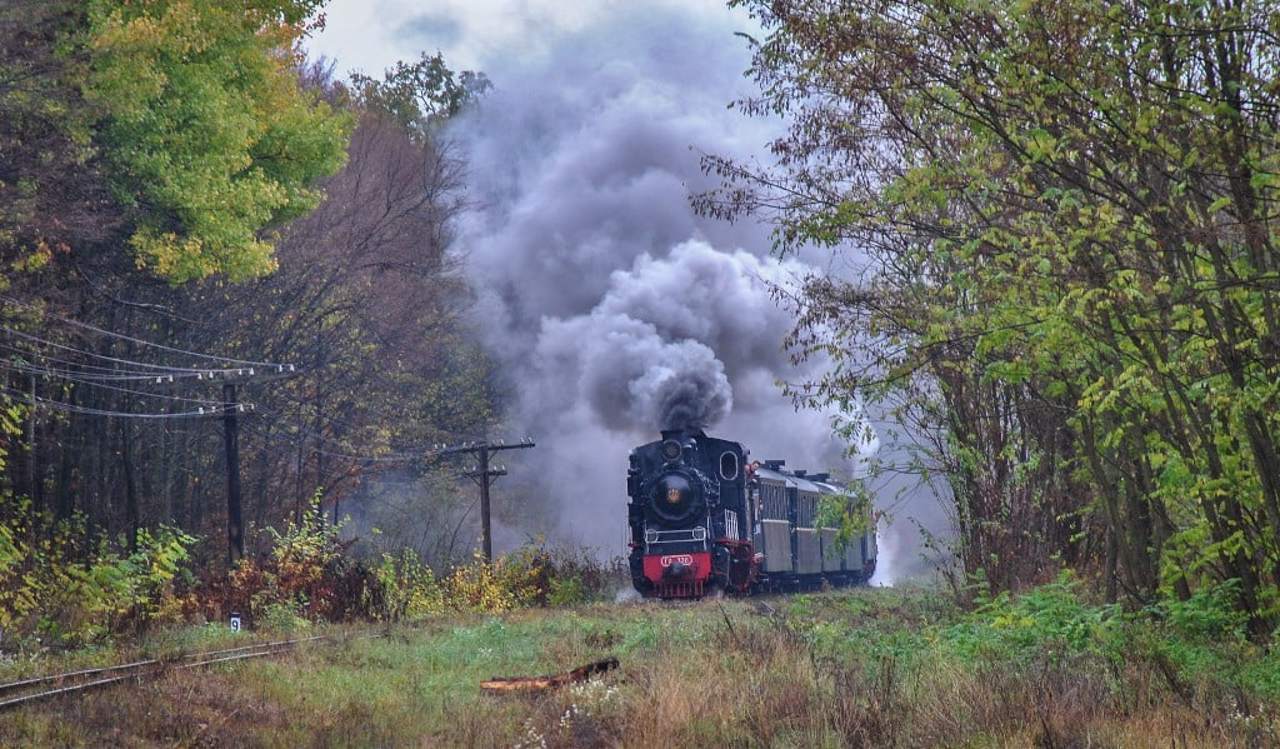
[
  {"x": 1067, "y": 216},
  {"x": 187, "y": 202}
]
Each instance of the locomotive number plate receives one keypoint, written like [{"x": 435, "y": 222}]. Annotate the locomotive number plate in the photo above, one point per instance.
[{"x": 670, "y": 559}]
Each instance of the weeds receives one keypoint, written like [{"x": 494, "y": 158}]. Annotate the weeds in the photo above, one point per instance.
[
  {"x": 63, "y": 591},
  {"x": 1043, "y": 670},
  {"x": 869, "y": 667}
]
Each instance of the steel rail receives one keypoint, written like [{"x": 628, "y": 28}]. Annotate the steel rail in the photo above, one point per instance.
[{"x": 149, "y": 667}]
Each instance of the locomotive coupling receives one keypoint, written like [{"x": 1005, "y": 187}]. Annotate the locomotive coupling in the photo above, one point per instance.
[{"x": 677, "y": 570}]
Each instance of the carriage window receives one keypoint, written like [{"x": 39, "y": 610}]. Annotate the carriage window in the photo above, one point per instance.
[
  {"x": 807, "y": 510},
  {"x": 773, "y": 501},
  {"x": 728, "y": 466}
]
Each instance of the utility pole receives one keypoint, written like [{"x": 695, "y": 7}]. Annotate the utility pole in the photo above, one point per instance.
[
  {"x": 31, "y": 448},
  {"x": 483, "y": 475},
  {"x": 231, "y": 435}
]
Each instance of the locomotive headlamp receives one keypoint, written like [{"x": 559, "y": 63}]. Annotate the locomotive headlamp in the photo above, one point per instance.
[
  {"x": 674, "y": 489},
  {"x": 673, "y": 496},
  {"x": 671, "y": 450}
]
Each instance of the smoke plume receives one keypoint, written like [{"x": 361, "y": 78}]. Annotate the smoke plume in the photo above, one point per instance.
[
  {"x": 692, "y": 399},
  {"x": 613, "y": 310}
]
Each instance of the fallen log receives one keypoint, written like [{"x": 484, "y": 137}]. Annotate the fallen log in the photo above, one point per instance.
[{"x": 507, "y": 684}]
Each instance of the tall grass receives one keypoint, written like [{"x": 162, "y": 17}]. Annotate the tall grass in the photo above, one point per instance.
[{"x": 862, "y": 668}]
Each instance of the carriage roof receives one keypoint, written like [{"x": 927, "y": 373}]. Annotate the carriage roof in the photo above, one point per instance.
[{"x": 791, "y": 481}]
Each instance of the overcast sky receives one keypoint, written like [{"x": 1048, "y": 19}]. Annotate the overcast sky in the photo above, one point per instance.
[{"x": 488, "y": 35}]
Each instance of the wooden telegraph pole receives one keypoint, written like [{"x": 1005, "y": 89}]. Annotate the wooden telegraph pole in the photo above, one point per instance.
[
  {"x": 483, "y": 475},
  {"x": 231, "y": 435}
]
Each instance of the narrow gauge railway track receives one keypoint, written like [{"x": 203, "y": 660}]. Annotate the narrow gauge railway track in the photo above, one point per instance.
[{"x": 36, "y": 688}]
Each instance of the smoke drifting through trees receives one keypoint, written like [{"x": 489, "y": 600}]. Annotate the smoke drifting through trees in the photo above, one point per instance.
[{"x": 616, "y": 309}]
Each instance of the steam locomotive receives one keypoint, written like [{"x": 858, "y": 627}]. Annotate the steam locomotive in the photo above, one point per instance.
[{"x": 704, "y": 517}]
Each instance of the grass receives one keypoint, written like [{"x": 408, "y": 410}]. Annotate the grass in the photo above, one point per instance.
[{"x": 867, "y": 667}]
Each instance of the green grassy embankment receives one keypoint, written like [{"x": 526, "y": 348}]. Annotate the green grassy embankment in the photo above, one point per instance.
[{"x": 868, "y": 667}]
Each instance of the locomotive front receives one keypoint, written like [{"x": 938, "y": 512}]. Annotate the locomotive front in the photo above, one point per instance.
[{"x": 687, "y": 515}]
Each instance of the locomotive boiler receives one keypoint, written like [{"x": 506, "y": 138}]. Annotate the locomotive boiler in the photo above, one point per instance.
[{"x": 703, "y": 517}]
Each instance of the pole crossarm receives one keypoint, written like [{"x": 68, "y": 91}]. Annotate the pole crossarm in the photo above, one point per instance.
[
  {"x": 479, "y": 474},
  {"x": 440, "y": 451}
]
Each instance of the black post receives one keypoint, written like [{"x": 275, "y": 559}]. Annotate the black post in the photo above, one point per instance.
[
  {"x": 235, "y": 521},
  {"x": 32, "y": 481},
  {"x": 484, "y": 503},
  {"x": 130, "y": 485}
]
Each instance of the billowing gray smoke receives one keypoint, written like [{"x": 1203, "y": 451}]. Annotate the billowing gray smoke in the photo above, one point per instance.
[
  {"x": 694, "y": 399},
  {"x": 613, "y": 309},
  {"x": 633, "y": 378},
  {"x": 662, "y": 344}
]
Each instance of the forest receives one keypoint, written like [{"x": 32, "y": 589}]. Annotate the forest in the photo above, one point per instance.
[
  {"x": 1029, "y": 250},
  {"x": 193, "y": 214},
  {"x": 1068, "y": 295},
  {"x": 1071, "y": 299}
]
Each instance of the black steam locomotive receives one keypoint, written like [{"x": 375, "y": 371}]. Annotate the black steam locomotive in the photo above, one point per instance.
[{"x": 703, "y": 516}]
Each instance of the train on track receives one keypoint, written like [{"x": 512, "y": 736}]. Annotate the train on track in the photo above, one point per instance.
[{"x": 704, "y": 517}]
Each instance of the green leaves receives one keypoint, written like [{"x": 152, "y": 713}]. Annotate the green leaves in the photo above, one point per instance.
[
  {"x": 54, "y": 585},
  {"x": 209, "y": 134},
  {"x": 422, "y": 95},
  {"x": 1060, "y": 213},
  {"x": 851, "y": 513}
]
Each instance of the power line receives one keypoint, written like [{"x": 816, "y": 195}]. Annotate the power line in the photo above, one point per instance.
[
  {"x": 72, "y": 408},
  {"x": 403, "y": 458},
  {"x": 405, "y": 454},
  {"x": 94, "y": 376},
  {"x": 33, "y": 356},
  {"x": 112, "y": 374},
  {"x": 285, "y": 395},
  {"x": 279, "y": 367},
  {"x": 145, "y": 394},
  {"x": 130, "y": 362}
]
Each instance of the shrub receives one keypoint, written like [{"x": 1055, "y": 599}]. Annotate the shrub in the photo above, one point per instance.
[
  {"x": 283, "y": 617},
  {"x": 1053, "y": 617},
  {"x": 54, "y": 584},
  {"x": 409, "y": 588},
  {"x": 530, "y": 576},
  {"x": 566, "y": 591},
  {"x": 533, "y": 575},
  {"x": 307, "y": 571},
  {"x": 1210, "y": 614}
]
